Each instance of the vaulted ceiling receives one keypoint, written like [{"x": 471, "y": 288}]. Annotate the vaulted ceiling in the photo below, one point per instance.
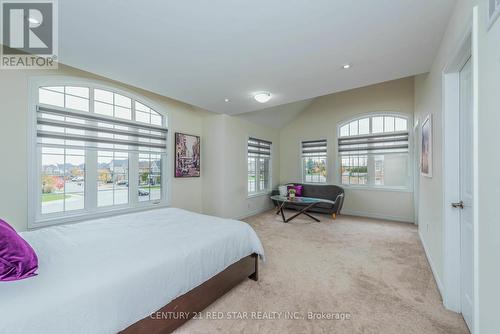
[{"x": 202, "y": 52}]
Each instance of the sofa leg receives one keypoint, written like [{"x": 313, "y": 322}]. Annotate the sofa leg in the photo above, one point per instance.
[{"x": 334, "y": 216}]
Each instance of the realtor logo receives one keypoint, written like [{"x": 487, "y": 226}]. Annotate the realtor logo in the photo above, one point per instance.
[{"x": 29, "y": 34}]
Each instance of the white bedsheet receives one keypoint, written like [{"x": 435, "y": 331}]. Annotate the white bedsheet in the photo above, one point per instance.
[{"x": 103, "y": 275}]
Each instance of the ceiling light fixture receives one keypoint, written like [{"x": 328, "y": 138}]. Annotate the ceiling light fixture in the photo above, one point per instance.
[
  {"x": 262, "y": 97},
  {"x": 346, "y": 66},
  {"x": 226, "y": 100}
]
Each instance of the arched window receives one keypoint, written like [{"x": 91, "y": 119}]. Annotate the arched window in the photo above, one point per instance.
[
  {"x": 96, "y": 150},
  {"x": 374, "y": 151}
]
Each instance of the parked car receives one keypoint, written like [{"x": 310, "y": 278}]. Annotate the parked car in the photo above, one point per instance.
[
  {"x": 143, "y": 192},
  {"x": 122, "y": 183}
]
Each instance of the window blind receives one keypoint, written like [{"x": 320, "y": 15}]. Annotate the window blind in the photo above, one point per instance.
[
  {"x": 259, "y": 147},
  {"x": 79, "y": 129},
  {"x": 385, "y": 143},
  {"x": 317, "y": 148}
]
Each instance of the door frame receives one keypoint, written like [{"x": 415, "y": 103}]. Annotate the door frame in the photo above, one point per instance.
[
  {"x": 467, "y": 48},
  {"x": 416, "y": 170}
]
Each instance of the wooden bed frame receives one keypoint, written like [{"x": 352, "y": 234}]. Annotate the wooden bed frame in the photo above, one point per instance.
[{"x": 183, "y": 308}]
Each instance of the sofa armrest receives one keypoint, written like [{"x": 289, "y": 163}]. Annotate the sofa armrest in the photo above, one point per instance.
[{"x": 339, "y": 202}]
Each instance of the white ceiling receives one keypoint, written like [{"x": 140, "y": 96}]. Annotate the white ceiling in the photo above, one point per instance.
[{"x": 201, "y": 52}]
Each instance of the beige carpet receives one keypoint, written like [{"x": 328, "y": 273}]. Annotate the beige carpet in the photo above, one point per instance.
[{"x": 374, "y": 271}]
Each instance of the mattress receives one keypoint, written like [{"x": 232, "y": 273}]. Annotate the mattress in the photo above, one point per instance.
[{"x": 101, "y": 276}]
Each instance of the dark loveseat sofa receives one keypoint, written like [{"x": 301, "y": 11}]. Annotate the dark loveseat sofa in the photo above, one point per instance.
[{"x": 329, "y": 192}]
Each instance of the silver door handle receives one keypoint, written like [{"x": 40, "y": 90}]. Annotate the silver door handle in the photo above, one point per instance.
[{"x": 459, "y": 205}]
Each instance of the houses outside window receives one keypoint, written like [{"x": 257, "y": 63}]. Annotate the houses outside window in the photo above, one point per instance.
[{"x": 96, "y": 150}]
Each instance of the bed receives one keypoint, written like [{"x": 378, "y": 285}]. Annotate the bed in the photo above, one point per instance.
[{"x": 111, "y": 275}]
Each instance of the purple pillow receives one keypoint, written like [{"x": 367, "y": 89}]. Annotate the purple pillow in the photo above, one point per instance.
[
  {"x": 17, "y": 259},
  {"x": 298, "y": 190}
]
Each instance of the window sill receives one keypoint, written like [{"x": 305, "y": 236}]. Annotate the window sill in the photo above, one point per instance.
[
  {"x": 374, "y": 188},
  {"x": 254, "y": 195},
  {"x": 83, "y": 215}
]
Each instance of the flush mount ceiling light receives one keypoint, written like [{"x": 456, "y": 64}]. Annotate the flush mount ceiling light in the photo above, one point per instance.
[
  {"x": 226, "y": 100},
  {"x": 346, "y": 66},
  {"x": 262, "y": 97}
]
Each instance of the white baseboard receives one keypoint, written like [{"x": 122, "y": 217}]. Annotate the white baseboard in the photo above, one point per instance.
[
  {"x": 378, "y": 216},
  {"x": 344, "y": 212},
  {"x": 433, "y": 268}
]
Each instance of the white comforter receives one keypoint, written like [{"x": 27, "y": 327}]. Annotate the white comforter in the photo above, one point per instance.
[{"x": 103, "y": 275}]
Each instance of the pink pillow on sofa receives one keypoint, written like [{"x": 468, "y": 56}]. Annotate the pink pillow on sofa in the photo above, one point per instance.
[
  {"x": 298, "y": 190},
  {"x": 17, "y": 259}
]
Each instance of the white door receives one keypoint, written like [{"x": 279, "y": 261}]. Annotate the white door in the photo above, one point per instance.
[{"x": 466, "y": 195}]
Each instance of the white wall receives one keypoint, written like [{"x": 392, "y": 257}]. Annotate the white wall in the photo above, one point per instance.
[
  {"x": 213, "y": 170},
  {"x": 13, "y": 139},
  {"x": 225, "y": 190},
  {"x": 489, "y": 176},
  {"x": 429, "y": 100},
  {"x": 320, "y": 120}
]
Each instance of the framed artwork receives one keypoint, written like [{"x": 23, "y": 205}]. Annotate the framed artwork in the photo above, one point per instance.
[
  {"x": 426, "y": 147},
  {"x": 493, "y": 11},
  {"x": 187, "y": 155}
]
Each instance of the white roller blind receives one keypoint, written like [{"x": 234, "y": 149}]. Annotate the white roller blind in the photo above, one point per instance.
[
  {"x": 317, "y": 148},
  {"x": 71, "y": 128},
  {"x": 259, "y": 147},
  {"x": 396, "y": 142}
]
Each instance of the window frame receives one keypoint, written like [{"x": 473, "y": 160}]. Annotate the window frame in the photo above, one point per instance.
[
  {"x": 327, "y": 159},
  {"x": 258, "y": 193},
  {"x": 35, "y": 218},
  {"x": 409, "y": 125}
]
